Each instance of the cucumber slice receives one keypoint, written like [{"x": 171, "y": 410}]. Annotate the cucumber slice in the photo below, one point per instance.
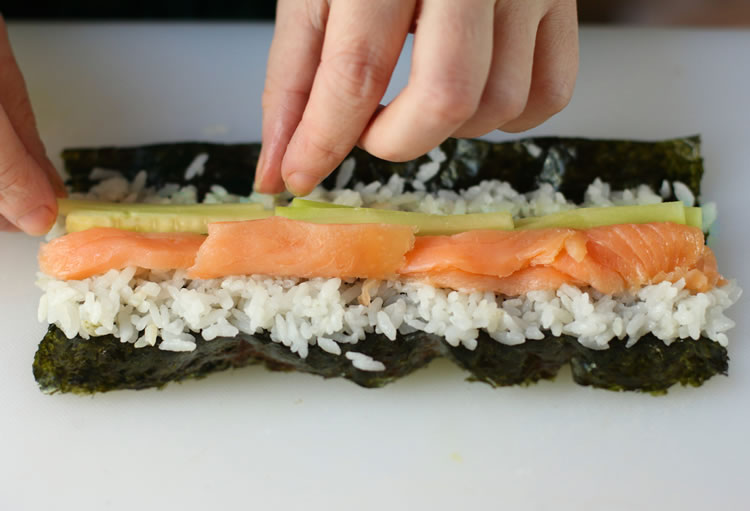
[
  {"x": 426, "y": 225},
  {"x": 586, "y": 218}
]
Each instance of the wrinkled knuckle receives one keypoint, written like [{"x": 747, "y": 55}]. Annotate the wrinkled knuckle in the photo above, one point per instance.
[
  {"x": 279, "y": 86},
  {"x": 450, "y": 102},
  {"x": 12, "y": 177},
  {"x": 358, "y": 74},
  {"x": 283, "y": 98},
  {"x": 554, "y": 95},
  {"x": 506, "y": 104},
  {"x": 266, "y": 99},
  {"x": 316, "y": 13},
  {"x": 325, "y": 148}
]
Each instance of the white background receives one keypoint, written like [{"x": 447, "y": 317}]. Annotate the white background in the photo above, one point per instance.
[{"x": 432, "y": 440}]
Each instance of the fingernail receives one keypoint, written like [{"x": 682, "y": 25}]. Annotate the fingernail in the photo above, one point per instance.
[
  {"x": 37, "y": 221},
  {"x": 259, "y": 167},
  {"x": 300, "y": 183}
]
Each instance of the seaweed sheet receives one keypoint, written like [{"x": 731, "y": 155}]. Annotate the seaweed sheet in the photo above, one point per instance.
[{"x": 568, "y": 164}]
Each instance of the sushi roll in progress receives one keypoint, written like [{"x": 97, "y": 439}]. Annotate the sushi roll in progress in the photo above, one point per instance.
[{"x": 510, "y": 259}]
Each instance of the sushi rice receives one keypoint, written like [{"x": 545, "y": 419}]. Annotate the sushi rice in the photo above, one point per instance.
[{"x": 169, "y": 311}]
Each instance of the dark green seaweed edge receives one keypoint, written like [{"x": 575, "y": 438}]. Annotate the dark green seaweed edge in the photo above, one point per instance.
[
  {"x": 104, "y": 363},
  {"x": 568, "y": 164}
]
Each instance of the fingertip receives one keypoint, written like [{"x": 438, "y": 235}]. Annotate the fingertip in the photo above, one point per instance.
[
  {"x": 301, "y": 183},
  {"x": 310, "y": 158},
  {"x": 38, "y": 221},
  {"x": 269, "y": 188},
  {"x": 259, "y": 167},
  {"x": 390, "y": 150},
  {"x": 267, "y": 175}
]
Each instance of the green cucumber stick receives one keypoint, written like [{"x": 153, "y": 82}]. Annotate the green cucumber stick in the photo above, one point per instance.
[
  {"x": 426, "y": 224},
  {"x": 306, "y": 203},
  {"x": 162, "y": 218},
  {"x": 586, "y": 218},
  {"x": 66, "y": 206},
  {"x": 694, "y": 216}
]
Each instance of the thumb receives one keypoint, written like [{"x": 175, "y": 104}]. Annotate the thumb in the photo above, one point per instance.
[{"x": 26, "y": 196}]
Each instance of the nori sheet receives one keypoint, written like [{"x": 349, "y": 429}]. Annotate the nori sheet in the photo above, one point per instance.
[
  {"x": 103, "y": 364},
  {"x": 569, "y": 164}
]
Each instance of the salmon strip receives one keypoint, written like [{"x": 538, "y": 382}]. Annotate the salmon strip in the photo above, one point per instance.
[
  {"x": 591, "y": 273},
  {"x": 639, "y": 252},
  {"x": 611, "y": 259},
  {"x": 486, "y": 252},
  {"x": 534, "y": 278},
  {"x": 703, "y": 277},
  {"x": 290, "y": 248},
  {"x": 80, "y": 255},
  {"x": 644, "y": 254}
]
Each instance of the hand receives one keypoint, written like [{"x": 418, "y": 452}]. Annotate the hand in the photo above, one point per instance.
[
  {"x": 477, "y": 66},
  {"x": 28, "y": 180}
]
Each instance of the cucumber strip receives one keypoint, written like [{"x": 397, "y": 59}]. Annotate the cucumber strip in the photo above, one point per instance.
[
  {"x": 66, "y": 206},
  {"x": 176, "y": 219},
  {"x": 586, "y": 218},
  {"x": 427, "y": 225},
  {"x": 306, "y": 203},
  {"x": 694, "y": 216}
]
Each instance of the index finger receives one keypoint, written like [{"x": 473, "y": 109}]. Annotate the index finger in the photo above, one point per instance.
[
  {"x": 355, "y": 68},
  {"x": 26, "y": 196},
  {"x": 450, "y": 64},
  {"x": 15, "y": 100}
]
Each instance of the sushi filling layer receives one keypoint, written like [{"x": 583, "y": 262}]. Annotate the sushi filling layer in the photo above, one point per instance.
[{"x": 168, "y": 310}]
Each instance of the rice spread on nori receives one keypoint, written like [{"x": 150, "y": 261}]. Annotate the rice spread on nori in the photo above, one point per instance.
[{"x": 568, "y": 165}]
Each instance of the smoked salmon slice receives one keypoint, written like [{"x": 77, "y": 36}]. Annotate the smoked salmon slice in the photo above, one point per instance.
[
  {"x": 290, "y": 248},
  {"x": 534, "y": 278},
  {"x": 496, "y": 253},
  {"x": 610, "y": 259},
  {"x": 83, "y": 254}
]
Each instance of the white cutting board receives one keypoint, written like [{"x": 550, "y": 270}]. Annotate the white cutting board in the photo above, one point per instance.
[{"x": 430, "y": 441}]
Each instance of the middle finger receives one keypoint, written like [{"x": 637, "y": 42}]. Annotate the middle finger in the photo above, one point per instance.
[
  {"x": 450, "y": 64},
  {"x": 507, "y": 89}
]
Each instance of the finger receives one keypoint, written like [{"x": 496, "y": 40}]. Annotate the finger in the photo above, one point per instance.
[
  {"x": 6, "y": 226},
  {"x": 555, "y": 67},
  {"x": 362, "y": 43},
  {"x": 15, "y": 100},
  {"x": 450, "y": 64},
  {"x": 26, "y": 195},
  {"x": 292, "y": 61},
  {"x": 507, "y": 89}
]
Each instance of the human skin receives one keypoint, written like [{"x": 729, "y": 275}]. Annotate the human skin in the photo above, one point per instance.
[
  {"x": 29, "y": 182},
  {"x": 477, "y": 66}
]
